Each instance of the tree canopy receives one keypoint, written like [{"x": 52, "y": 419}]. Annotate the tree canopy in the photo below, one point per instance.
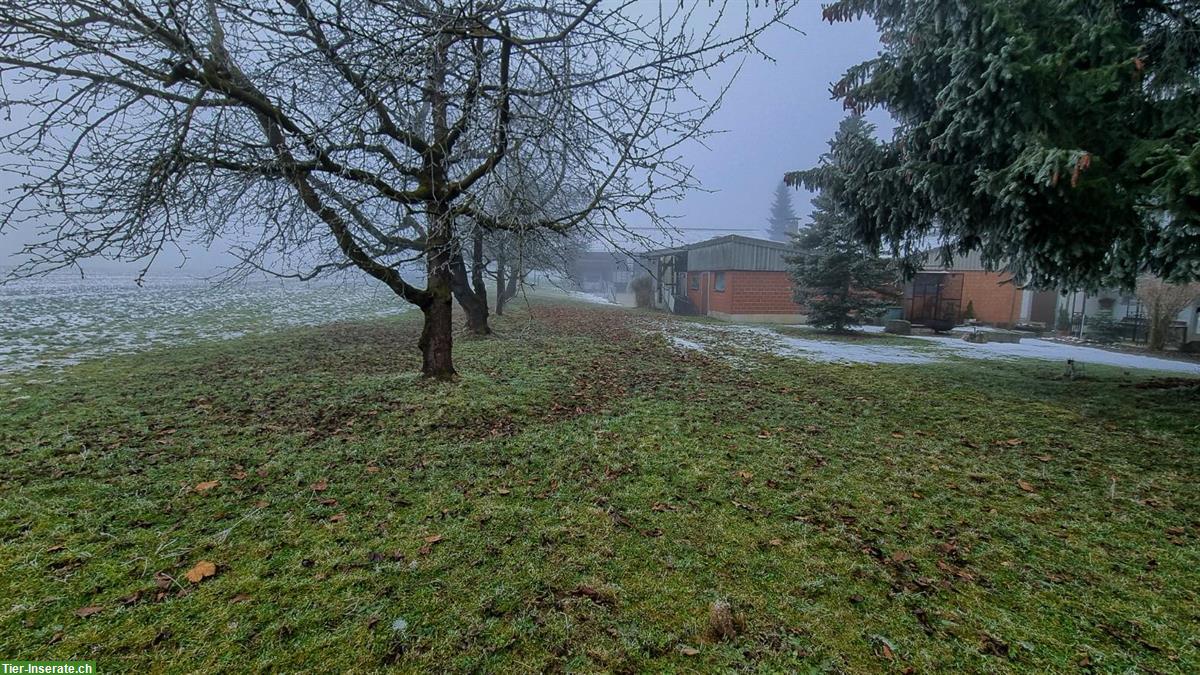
[
  {"x": 1060, "y": 138},
  {"x": 327, "y": 135}
]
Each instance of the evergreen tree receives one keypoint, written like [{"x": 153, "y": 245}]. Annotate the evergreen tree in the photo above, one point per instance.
[
  {"x": 782, "y": 223},
  {"x": 837, "y": 279},
  {"x": 1060, "y": 138}
]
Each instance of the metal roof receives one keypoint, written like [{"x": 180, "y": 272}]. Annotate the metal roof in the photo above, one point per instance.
[{"x": 731, "y": 252}]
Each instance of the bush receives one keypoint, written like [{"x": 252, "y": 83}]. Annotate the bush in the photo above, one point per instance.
[
  {"x": 643, "y": 291},
  {"x": 969, "y": 315},
  {"x": 1101, "y": 328},
  {"x": 1063, "y": 325}
]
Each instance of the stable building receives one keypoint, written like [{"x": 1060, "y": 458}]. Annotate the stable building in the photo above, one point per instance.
[
  {"x": 943, "y": 296},
  {"x": 733, "y": 277}
]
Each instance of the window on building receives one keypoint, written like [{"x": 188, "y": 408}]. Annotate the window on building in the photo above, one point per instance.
[
  {"x": 695, "y": 282},
  {"x": 719, "y": 281}
]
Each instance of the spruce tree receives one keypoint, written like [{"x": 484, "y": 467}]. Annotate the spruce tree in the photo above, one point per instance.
[
  {"x": 836, "y": 278},
  {"x": 781, "y": 225},
  {"x": 1060, "y": 138}
]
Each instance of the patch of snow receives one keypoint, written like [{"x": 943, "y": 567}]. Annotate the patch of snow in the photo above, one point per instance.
[
  {"x": 590, "y": 297},
  {"x": 1047, "y": 350},
  {"x": 705, "y": 336}
]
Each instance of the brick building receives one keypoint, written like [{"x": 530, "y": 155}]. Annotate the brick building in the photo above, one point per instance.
[
  {"x": 941, "y": 296},
  {"x": 732, "y": 277}
]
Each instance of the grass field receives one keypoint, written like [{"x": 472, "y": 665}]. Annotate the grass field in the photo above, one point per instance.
[{"x": 579, "y": 499}]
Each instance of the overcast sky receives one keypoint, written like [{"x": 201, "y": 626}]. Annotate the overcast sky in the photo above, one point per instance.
[{"x": 777, "y": 117}]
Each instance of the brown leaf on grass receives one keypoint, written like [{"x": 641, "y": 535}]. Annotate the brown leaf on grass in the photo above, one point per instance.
[
  {"x": 239, "y": 598},
  {"x": 84, "y": 612},
  {"x": 1011, "y": 442},
  {"x": 433, "y": 539},
  {"x": 745, "y": 475},
  {"x": 990, "y": 644},
  {"x": 1044, "y": 458},
  {"x": 328, "y": 502},
  {"x": 764, "y": 434},
  {"x": 337, "y": 518},
  {"x": 775, "y": 542},
  {"x": 656, "y": 532},
  {"x": 901, "y": 556},
  {"x": 203, "y": 570},
  {"x": 261, "y": 504},
  {"x": 206, "y": 485},
  {"x": 320, "y": 486},
  {"x": 163, "y": 580},
  {"x": 1024, "y": 485},
  {"x": 261, "y": 472},
  {"x": 597, "y": 595},
  {"x": 55, "y": 548},
  {"x": 897, "y": 434},
  {"x": 371, "y": 468},
  {"x": 688, "y": 651},
  {"x": 503, "y": 491}
]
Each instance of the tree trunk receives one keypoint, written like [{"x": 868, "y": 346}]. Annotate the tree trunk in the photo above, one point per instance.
[
  {"x": 468, "y": 299},
  {"x": 437, "y": 337},
  {"x": 500, "y": 285}
]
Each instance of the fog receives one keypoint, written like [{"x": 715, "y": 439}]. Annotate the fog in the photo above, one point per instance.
[{"x": 776, "y": 117}]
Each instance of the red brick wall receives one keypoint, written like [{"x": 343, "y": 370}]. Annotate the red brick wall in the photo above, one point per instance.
[
  {"x": 745, "y": 293},
  {"x": 762, "y": 293},
  {"x": 996, "y": 302}
]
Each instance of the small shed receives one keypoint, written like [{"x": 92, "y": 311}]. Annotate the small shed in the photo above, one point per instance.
[
  {"x": 732, "y": 277},
  {"x": 942, "y": 296}
]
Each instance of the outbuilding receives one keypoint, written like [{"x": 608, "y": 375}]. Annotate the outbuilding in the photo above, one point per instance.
[
  {"x": 942, "y": 296},
  {"x": 732, "y": 277}
]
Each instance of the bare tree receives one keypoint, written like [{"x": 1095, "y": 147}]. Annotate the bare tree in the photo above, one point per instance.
[
  {"x": 1164, "y": 301},
  {"x": 336, "y": 134}
]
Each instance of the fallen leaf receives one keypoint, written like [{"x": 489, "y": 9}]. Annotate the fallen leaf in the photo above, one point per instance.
[
  {"x": 84, "y": 612},
  {"x": 503, "y": 491},
  {"x": 1045, "y": 458},
  {"x": 320, "y": 486},
  {"x": 328, "y": 502},
  {"x": 206, "y": 485},
  {"x": 261, "y": 471},
  {"x": 337, "y": 518},
  {"x": 238, "y": 475},
  {"x": 261, "y": 504},
  {"x": 901, "y": 556},
  {"x": 373, "y": 469},
  {"x": 776, "y": 542},
  {"x": 240, "y": 597},
  {"x": 55, "y": 548},
  {"x": 688, "y": 651},
  {"x": 433, "y": 539},
  {"x": 203, "y": 570},
  {"x": 1025, "y": 486},
  {"x": 897, "y": 434}
]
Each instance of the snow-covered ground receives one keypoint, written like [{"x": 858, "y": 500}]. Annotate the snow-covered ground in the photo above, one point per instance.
[
  {"x": 714, "y": 337},
  {"x": 63, "y": 319},
  {"x": 589, "y": 297}
]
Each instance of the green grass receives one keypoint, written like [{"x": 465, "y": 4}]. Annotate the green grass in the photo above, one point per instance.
[{"x": 594, "y": 492}]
